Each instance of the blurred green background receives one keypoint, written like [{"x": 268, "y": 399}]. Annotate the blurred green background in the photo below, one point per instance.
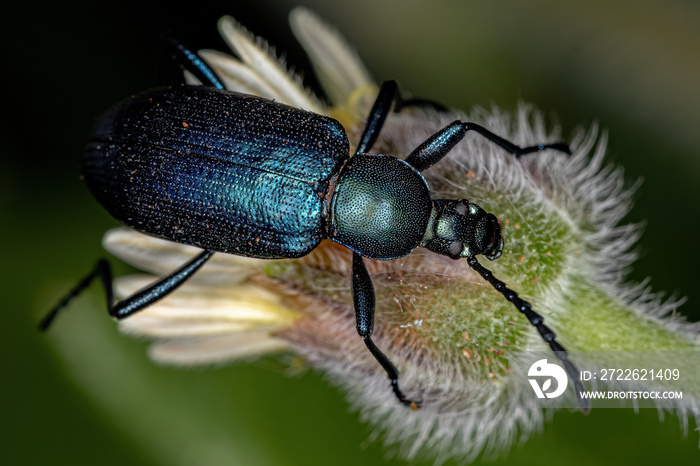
[{"x": 632, "y": 66}]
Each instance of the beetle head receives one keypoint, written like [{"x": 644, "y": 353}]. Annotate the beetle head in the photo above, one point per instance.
[{"x": 460, "y": 229}]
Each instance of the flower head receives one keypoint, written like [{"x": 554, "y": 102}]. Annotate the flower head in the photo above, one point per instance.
[{"x": 453, "y": 338}]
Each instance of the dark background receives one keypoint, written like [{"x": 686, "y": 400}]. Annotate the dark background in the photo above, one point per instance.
[{"x": 85, "y": 395}]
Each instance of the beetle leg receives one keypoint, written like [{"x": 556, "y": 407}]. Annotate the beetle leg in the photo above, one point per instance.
[
  {"x": 388, "y": 95},
  {"x": 135, "y": 302},
  {"x": 363, "y": 299},
  {"x": 190, "y": 61},
  {"x": 101, "y": 270},
  {"x": 377, "y": 116},
  {"x": 538, "y": 322},
  {"x": 439, "y": 144}
]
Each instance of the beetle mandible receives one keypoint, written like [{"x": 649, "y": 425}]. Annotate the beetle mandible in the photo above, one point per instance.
[{"x": 240, "y": 174}]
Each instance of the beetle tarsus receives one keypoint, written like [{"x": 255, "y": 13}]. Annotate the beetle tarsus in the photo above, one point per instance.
[
  {"x": 101, "y": 270},
  {"x": 413, "y": 405}
]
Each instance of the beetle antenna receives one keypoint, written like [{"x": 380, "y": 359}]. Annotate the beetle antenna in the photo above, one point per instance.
[{"x": 538, "y": 322}]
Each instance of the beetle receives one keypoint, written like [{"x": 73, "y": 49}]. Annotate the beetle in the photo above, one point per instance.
[{"x": 239, "y": 174}]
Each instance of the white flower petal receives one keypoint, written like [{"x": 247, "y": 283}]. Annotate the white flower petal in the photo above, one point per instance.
[
  {"x": 191, "y": 79},
  {"x": 238, "y": 77},
  {"x": 257, "y": 55},
  {"x": 196, "y": 310},
  {"x": 217, "y": 349},
  {"x": 336, "y": 63},
  {"x": 162, "y": 257},
  {"x": 145, "y": 325}
]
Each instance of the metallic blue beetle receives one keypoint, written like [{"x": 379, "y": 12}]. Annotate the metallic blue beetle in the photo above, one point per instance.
[{"x": 239, "y": 174}]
